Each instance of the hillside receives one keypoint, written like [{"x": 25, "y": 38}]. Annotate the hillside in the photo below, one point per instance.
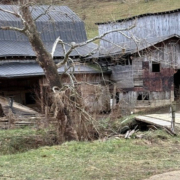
[{"x": 92, "y": 11}]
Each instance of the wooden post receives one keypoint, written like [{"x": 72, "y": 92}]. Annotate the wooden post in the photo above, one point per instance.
[
  {"x": 46, "y": 123},
  {"x": 173, "y": 110},
  {"x": 41, "y": 95},
  {"x": 114, "y": 97}
]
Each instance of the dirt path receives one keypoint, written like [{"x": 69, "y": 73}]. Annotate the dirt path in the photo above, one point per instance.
[{"x": 174, "y": 175}]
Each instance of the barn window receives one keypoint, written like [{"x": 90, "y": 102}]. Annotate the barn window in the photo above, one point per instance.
[
  {"x": 143, "y": 96},
  {"x": 155, "y": 67}
]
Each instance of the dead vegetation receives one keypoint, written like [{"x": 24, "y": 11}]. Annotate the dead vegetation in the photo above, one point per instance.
[{"x": 84, "y": 113}]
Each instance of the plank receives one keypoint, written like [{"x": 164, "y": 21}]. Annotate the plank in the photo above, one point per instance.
[
  {"x": 154, "y": 121},
  {"x": 166, "y": 117}
]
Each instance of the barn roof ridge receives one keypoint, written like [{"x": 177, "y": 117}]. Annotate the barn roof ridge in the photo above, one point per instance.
[
  {"x": 138, "y": 16},
  {"x": 53, "y": 10}
]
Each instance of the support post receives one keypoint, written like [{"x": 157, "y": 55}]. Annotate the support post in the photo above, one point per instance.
[
  {"x": 173, "y": 110},
  {"x": 41, "y": 95},
  {"x": 114, "y": 97}
]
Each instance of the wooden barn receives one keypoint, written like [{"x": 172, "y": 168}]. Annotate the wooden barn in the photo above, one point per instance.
[
  {"x": 146, "y": 66},
  {"x": 20, "y": 75}
]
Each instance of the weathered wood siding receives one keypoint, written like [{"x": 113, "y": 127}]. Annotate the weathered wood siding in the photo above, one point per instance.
[
  {"x": 137, "y": 72},
  {"x": 146, "y": 27},
  {"x": 123, "y": 76},
  {"x": 158, "y": 86}
]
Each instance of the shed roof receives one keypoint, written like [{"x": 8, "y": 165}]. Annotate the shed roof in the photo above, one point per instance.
[
  {"x": 15, "y": 70},
  {"x": 138, "y": 16},
  {"x": 131, "y": 48},
  {"x": 14, "y": 49}
]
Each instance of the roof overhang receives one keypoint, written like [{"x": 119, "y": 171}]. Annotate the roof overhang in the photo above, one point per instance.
[
  {"x": 129, "y": 48},
  {"x": 21, "y": 70}
]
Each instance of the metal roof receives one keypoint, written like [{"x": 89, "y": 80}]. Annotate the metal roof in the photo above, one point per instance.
[
  {"x": 58, "y": 21},
  {"x": 15, "y": 70},
  {"x": 131, "y": 47},
  {"x": 53, "y": 12},
  {"x": 138, "y": 16},
  {"x": 14, "y": 48}
]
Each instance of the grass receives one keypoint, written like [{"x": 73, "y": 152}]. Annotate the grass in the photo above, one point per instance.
[
  {"x": 95, "y": 11},
  {"x": 111, "y": 159},
  {"x": 20, "y": 140}
]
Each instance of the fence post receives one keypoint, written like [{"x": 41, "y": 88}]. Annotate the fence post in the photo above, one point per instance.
[{"x": 173, "y": 110}]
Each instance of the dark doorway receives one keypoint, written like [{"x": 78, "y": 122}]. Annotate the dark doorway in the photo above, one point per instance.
[
  {"x": 177, "y": 85},
  {"x": 30, "y": 98}
]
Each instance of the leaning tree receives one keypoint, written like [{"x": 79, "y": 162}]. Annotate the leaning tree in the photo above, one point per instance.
[{"x": 44, "y": 58}]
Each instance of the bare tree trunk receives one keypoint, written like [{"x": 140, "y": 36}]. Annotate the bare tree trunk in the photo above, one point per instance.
[{"x": 44, "y": 58}]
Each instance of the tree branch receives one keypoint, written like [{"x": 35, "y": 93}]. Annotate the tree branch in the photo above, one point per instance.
[
  {"x": 10, "y": 12},
  {"x": 66, "y": 54},
  {"x": 11, "y": 28},
  {"x": 18, "y": 15},
  {"x": 108, "y": 32},
  {"x": 74, "y": 45},
  {"x": 45, "y": 13}
]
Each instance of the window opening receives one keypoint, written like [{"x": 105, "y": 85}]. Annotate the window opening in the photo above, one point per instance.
[
  {"x": 177, "y": 85},
  {"x": 155, "y": 67},
  {"x": 143, "y": 96},
  {"x": 117, "y": 97}
]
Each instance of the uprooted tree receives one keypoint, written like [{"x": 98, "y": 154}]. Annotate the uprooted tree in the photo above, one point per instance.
[{"x": 68, "y": 96}]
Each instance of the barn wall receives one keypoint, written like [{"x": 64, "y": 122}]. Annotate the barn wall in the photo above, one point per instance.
[
  {"x": 94, "y": 90},
  {"x": 83, "y": 77},
  {"x": 96, "y": 98},
  {"x": 149, "y": 89},
  {"x": 145, "y": 27},
  {"x": 123, "y": 76}
]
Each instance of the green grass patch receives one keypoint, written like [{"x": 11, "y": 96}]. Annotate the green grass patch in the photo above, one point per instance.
[
  {"x": 112, "y": 159},
  {"x": 21, "y": 140}
]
